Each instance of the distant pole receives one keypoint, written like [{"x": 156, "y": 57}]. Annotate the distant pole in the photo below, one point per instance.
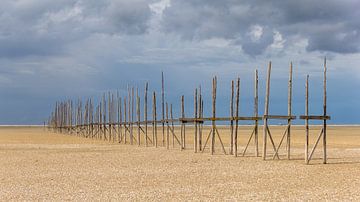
[
  {"x": 138, "y": 116},
  {"x": 145, "y": 113},
  {"x": 155, "y": 141},
  {"x": 163, "y": 108},
  {"x": 195, "y": 122}
]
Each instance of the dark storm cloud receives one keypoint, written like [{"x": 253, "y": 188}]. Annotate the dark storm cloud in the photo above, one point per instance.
[
  {"x": 327, "y": 25},
  {"x": 43, "y": 27}
]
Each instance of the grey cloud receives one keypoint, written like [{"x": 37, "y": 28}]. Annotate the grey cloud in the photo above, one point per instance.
[
  {"x": 39, "y": 27},
  {"x": 201, "y": 19}
]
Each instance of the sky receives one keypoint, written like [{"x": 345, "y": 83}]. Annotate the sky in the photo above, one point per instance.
[{"x": 70, "y": 49}]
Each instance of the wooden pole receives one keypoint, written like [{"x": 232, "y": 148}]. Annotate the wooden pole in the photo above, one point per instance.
[
  {"x": 138, "y": 116},
  {"x": 172, "y": 125},
  {"x": 183, "y": 131},
  {"x": 163, "y": 108},
  {"x": 155, "y": 141},
  {"x": 167, "y": 127},
  {"x": 200, "y": 114},
  {"x": 104, "y": 107},
  {"x": 120, "y": 120},
  {"x": 195, "y": 122},
  {"x": 109, "y": 114},
  {"x": 256, "y": 113},
  {"x": 125, "y": 121},
  {"x": 289, "y": 111},
  {"x": 325, "y": 112},
  {"x": 307, "y": 120},
  {"x": 212, "y": 146},
  {"x": 145, "y": 114},
  {"x": 132, "y": 114},
  {"x": 237, "y": 115},
  {"x": 266, "y": 112},
  {"x": 232, "y": 116}
]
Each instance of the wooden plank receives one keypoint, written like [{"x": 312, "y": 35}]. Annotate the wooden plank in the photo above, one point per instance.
[
  {"x": 312, "y": 117},
  {"x": 279, "y": 117}
]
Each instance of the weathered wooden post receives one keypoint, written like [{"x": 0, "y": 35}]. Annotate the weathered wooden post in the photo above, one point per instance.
[
  {"x": 155, "y": 141},
  {"x": 289, "y": 112},
  {"x": 232, "y": 118},
  {"x": 163, "y": 108},
  {"x": 256, "y": 113},
  {"x": 138, "y": 116},
  {"x": 212, "y": 146},
  {"x": 325, "y": 114},
  {"x": 307, "y": 120},
  {"x": 266, "y": 111},
  {"x": 237, "y": 117},
  {"x": 183, "y": 132},
  {"x": 145, "y": 113},
  {"x": 195, "y": 121}
]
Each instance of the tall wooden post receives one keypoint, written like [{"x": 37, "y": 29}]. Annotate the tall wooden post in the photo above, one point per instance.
[
  {"x": 126, "y": 126},
  {"x": 109, "y": 115},
  {"x": 325, "y": 112},
  {"x": 232, "y": 117},
  {"x": 307, "y": 120},
  {"x": 167, "y": 127},
  {"x": 138, "y": 116},
  {"x": 195, "y": 122},
  {"x": 289, "y": 111},
  {"x": 132, "y": 114},
  {"x": 200, "y": 115},
  {"x": 256, "y": 113},
  {"x": 212, "y": 146},
  {"x": 266, "y": 111},
  {"x": 145, "y": 113},
  {"x": 237, "y": 115},
  {"x": 104, "y": 114},
  {"x": 163, "y": 108},
  {"x": 172, "y": 125},
  {"x": 183, "y": 132},
  {"x": 120, "y": 120},
  {"x": 155, "y": 141}
]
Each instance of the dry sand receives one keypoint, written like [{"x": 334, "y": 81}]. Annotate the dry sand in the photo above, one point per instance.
[{"x": 40, "y": 165}]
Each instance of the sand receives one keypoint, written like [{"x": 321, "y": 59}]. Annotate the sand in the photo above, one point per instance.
[{"x": 39, "y": 165}]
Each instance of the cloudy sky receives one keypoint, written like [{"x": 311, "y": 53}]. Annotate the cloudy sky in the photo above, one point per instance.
[{"x": 53, "y": 50}]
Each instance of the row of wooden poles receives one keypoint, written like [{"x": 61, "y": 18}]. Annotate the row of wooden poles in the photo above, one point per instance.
[{"x": 114, "y": 119}]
